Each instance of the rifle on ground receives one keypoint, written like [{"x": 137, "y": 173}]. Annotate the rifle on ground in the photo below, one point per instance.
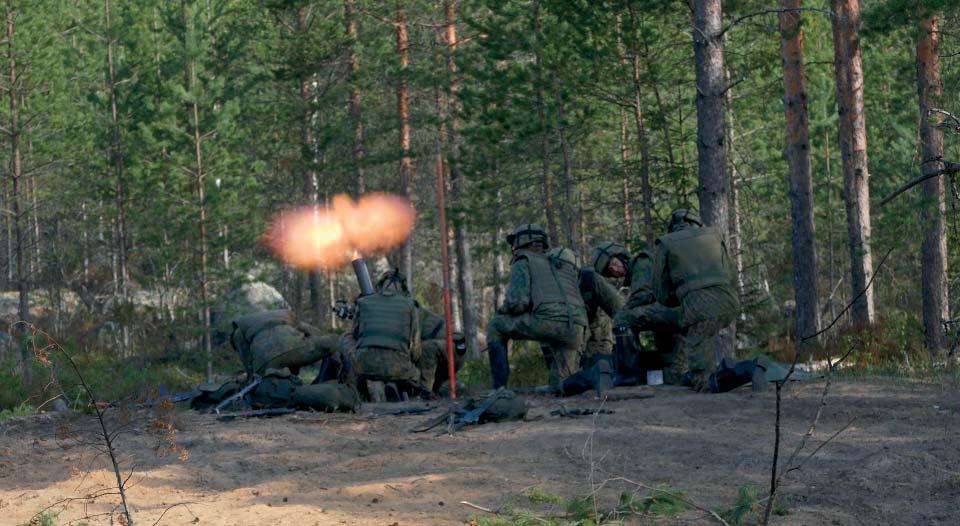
[
  {"x": 273, "y": 411},
  {"x": 243, "y": 392}
]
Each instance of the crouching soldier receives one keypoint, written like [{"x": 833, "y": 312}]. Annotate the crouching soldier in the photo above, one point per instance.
[
  {"x": 599, "y": 289},
  {"x": 276, "y": 339},
  {"x": 693, "y": 284},
  {"x": 543, "y": 304},
  {"x": 434, "y": 361},
  {"x": 387, "y": 335}
]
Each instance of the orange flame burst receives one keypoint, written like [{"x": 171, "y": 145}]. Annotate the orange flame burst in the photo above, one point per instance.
[{"x": 329, "y": 237}]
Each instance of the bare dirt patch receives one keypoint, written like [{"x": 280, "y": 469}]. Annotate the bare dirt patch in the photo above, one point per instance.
[{"x": 898, "y": 463}]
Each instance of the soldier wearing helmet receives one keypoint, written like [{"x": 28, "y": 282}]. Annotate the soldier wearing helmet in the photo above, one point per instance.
[
  {"x": 387, "y": 335},
  {"x": 599, "y": 287},
  {"x": 542, "y": 303},
  {"x": 692, "y": 283}
]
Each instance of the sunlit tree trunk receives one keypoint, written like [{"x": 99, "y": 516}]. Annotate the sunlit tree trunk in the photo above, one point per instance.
[
  {"x": 645, "y": 186},
  {"x": 15, "y": 173},
  {"x": 708, "y": 51},
  {"x": 803, "y": 238},
  {"x": 403, "y": 115},
  {"x": 853, "y": 150},
  {"x": 356, "y": 115},
  {"x": 933, "y": 256},
  {"x": 545, "y": 174},
  {"x": 464, "y": 268}
]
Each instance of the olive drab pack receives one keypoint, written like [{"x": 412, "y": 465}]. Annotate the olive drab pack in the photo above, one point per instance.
[
  {"x": 385, "y": 321},
  {"x": 275, "y": 389},
  {"x": 327, "y": 397},
  {"x": 696, "y": 258},
  {"x": 554, "y": 278},
  {"x": 604, "y": 252}
]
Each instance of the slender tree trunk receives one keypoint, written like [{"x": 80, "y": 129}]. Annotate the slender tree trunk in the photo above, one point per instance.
[
  {"x": 190, "y": 80},
  {"x": 571, "y": 221},
  {"x": 736, "y": 232},
  {"x": 853, "y": 150},
  {"x": 803, "y": 238},
  {"x": 16, "y": 177},
  {"x": 468, "y": 306},
  {"x": 708, "y": 50},
  {"x": 933, "y": 280},
  {"x": 403, "y": 114},
  {"x": 310, "y": 179},
  {"x": 356, "y": 116},
  {"x": 546, "y": 175},
  {"x": 625, "y": 177},
  {"x": 117, "y": 158},
  {"x": 647, "y": 189}
]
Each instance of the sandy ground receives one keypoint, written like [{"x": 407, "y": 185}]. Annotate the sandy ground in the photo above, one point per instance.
[{"x": 897, "y": 462}]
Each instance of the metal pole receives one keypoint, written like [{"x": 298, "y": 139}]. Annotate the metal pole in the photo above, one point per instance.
[{"x": 445, "y": 270}]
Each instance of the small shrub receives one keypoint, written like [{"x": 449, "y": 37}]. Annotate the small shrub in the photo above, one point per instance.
[
  {"x": 23, "y": 409},
  {"x": 538, "y": 495}
]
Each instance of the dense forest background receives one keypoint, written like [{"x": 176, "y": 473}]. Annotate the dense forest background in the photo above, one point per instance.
[{"x": 145, "y": 147}]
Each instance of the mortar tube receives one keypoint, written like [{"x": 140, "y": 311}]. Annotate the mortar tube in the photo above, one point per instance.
[{"x": 363, "y": 276}]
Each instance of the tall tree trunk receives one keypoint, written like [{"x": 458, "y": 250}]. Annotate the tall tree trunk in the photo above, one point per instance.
[
  {"x": 647, "y": 189},
  {"x": 468, "y": 306},
  {"x": 403, "y": 115},
  {"x": 356, "y": 115},
  {"x": 711, "y": 148},
  {"x": 736, "y": 231},
  {"x": 803, "y": 238},
  {"x": 933, "y": 280},
  {"x": 310, "y": 179},
  {"x": 708, "y": 51},
  {"x": 570, "y": 219},
  {"x": 622, "y": 146},
  {"x": 853, "y": 150},
  {"x": 16, "y": 178},
  {"x": 190, "y": 80},
  {"x": 117, "y": 159},
  {"x": 546, "y": 175}
]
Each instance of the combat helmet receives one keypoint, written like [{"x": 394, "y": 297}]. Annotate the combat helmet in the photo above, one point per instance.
[
  {"x": 683, "y": 218},
  {"x": 393, "y": 282},
  {"x": 607, "y": 250},
  {"x": 561, "y": 255},
  {"x": 527, "y": 234}
]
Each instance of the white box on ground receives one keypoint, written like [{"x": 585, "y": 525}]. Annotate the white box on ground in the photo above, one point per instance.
[{"x": 655, "y": 377}]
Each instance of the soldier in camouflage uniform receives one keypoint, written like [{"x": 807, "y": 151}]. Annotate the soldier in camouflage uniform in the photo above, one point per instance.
[
  {"x": 542, "y": 303},
  {"x": 387, "y": 336},
  {"x": 693, "y": 284},
  {"x": 433, "y": 356},
  {"x": 599, "y": 289},
  {"x": 641, "y": 312}
]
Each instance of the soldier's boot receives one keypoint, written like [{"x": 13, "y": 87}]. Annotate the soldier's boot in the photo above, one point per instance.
[
  {"x": 499, "y": 364},
  {"x": 727, "y": 378},
  {"x": 376, "y": 391},
  {"x": 601, "y": 378},
  {"x": 625, "y": 357},
  {"x": 391, "y": 392}
]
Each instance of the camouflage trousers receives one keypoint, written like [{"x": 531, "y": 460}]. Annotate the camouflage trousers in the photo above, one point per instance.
[
  {"x": 561, "y": 341},
  {"x": 599, "y": 338},
  {"x": 686, "y": 337},
  {"x": 384, "y": 365},
  {"x": 434, "y": 363}
]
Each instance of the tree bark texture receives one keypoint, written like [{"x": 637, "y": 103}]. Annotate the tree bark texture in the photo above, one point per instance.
[
  {"x": 403, "y": 115},
  {"x": 356, "y": 115},
  {"x": 803, "y": 238},
  {"x": 933, "y": 274},
  {"x": 645, "y": 186},
  {"x": 547, "y": 177},
  {"x": 468, "y": 306},
  {"x": 16, "y": 179},
  {"x": 708, "y": 52},
  {"x": 853, "y": 151}
]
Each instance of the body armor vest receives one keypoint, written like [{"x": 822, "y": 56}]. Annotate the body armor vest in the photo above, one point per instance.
[
  {"x": 385, "y": 321},
  {"x": 553, "y": 280},
  {"x": 696, "y": 259}
]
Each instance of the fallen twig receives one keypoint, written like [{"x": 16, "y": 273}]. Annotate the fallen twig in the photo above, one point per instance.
[{"x": 479, "y": 508}]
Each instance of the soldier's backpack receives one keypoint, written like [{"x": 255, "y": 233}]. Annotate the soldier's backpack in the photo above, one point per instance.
[
  {"x": 507, "y": 407},
  {"x": 275, "y": 389},
  {"x": 212, "y": 393}
]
